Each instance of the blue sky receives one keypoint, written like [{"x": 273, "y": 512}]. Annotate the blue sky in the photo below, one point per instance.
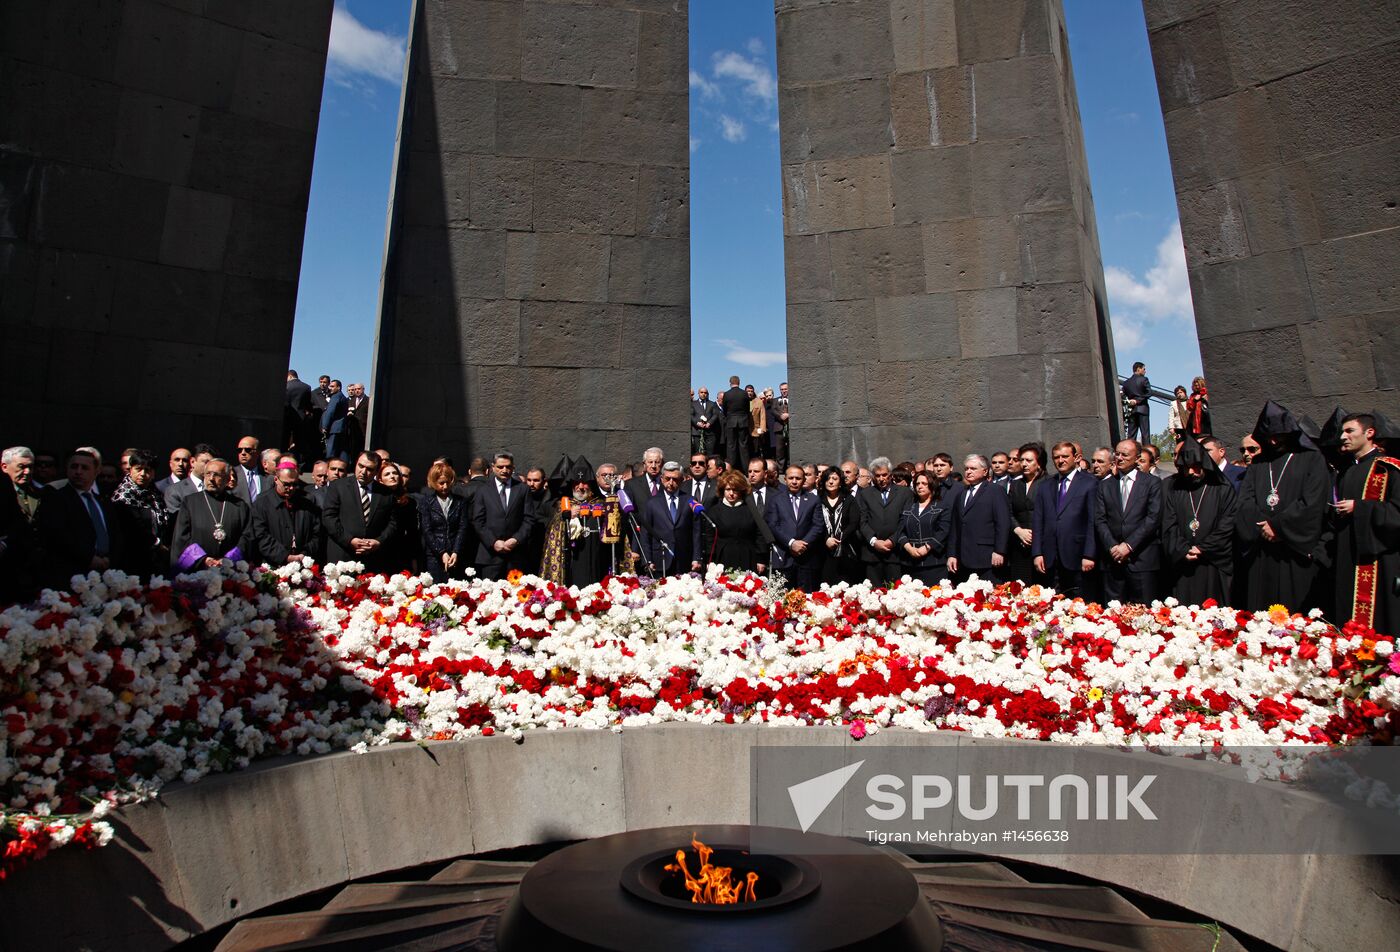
[{"x": 737, "y": 300}]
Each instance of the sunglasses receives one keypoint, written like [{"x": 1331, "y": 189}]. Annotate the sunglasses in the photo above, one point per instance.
[
  {"x": 1249, "y": 450},
  {"x": 247, "y": 449}
]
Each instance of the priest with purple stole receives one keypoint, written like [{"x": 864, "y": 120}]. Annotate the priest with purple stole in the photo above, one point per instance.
[{"x": 211, "y": 525}]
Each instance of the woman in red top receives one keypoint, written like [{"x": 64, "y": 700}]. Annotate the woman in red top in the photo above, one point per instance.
[{"x": 1198, "y": 409}]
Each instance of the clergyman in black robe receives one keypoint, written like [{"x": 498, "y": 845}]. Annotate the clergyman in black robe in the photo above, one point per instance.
[
  {"x": 1282, "y": 509},
  {"x": 1367, "y": 523},
  {"x": 1198, "y": 528},
  {"x": 211, "y": 525}
]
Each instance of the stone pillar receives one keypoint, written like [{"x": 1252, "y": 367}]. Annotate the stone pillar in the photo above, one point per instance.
[
  {"x": 537, "y": 279},
  {"x": 155, "y": 165},
  {"x": 1283, "y": 124},
  {"x": 944, "y": 289}
]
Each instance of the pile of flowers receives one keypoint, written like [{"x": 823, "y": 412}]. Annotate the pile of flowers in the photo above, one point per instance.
[{"x": 111, "y": 690}]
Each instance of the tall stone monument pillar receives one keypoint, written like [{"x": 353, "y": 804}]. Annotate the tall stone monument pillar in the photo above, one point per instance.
[
  {"x": 155, "y": 166},
  {"x": 1283, "y": 124},
  {"x": 537, "y": 272},
  {"x": 944, "y": 288}
]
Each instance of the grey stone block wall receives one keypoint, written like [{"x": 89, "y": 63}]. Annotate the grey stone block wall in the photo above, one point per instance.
[
  {"x": 1283, "y": 124},
  {"x": 537, "y": 274},
  {"x": 944, "y": 287},
  {"x": 155, "y": 164}
]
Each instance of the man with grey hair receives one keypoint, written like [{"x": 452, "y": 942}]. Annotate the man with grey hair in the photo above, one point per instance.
[
  {"x": 18, "y": 464},
  {"x": 880, "y": 506},
  {"x": 981, "y": 533},
  {"x": 646, "y": 484},
  {"x": 670, "y": 531}
]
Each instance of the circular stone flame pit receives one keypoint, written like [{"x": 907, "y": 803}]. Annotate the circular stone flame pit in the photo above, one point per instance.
[{"x": 631, "y": 891}]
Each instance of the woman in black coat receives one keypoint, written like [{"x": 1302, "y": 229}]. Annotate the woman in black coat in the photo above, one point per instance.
[
  {"x": 1019, "y": 562},
  {"x": 738, "y": 538},
  {"x": 841, "y": 520},
  {"x": 443, "y": 523},
  {"x": 922, "y": 541}
]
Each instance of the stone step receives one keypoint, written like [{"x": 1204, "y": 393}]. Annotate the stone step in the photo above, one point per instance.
[
  {"x": 255, "y": 935},
  {"x": 463, "y": 870},
  {"x": 436, "y": 931},
  {"x": 1035, "y": 896},
  {"x": 373, "y": 894},
  {"x": 1098, "y": 932},
  {"x": 966, "y": 872}
]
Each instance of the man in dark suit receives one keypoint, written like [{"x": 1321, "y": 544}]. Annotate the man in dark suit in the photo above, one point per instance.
[
  {"x": 1063, "y": 540},
  {"x": 779, "y": 411},
  {"x": 647, "y": 483},
  {"x": 793, "y": 518},
  {"x": 705, "y": 423},
  {"x": 294, "y": 413},
  {"x": 286, "y": 523},
  {"x": 1128, "y": 522},
  {"x": 699, "y": 485},
  {"x": 333, "y": 423},
  {"x": 880, "y": 506},
  {"x": 1216, "y": 448},
  {"x": 737, "y": 423},
  {"x": 981, "y": 533},
  {"x": 358, "y": 514},
  {"x": 356, "y": 419},
  {"x": 249, "y": 480},
  {"x": 670, "y": 531},
  {"x": 78, "y": 530},
  {"x": 180, "y": 459},
  {"x": 321, "y": 396},
  {"x": 1136, "y": 390},
  {"x": 504, "y": 518}
]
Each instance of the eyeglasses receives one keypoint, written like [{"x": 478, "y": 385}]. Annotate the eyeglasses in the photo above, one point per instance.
[
  {"x": 697, "y": 462},
  {"x": 247, "y": 449},
  {"x": 1249, "y": 450}
]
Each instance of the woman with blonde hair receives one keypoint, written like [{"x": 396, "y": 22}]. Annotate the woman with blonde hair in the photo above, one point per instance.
[
  {"x": 444, "y": 524},
  {"x": 1198, "y": 409}
]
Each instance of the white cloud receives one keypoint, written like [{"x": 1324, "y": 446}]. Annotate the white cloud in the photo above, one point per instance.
[
  {"x": 1162, "y": 294},
  {"x": 755, "y": 77},
  {"x": 754, "y": 46},
  {"x": 708, "y": 90},
  {"x": 732, "y": 129},
  {"x": 694, "y": 143},
  {"x": 357, "y": 50},
  {"x": 739, "y": 354}
]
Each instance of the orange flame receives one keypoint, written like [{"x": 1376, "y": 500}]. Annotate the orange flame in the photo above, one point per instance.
[{"x": 712, "y": 884}]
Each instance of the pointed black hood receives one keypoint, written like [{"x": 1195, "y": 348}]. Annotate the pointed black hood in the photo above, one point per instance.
[
  {"x": 1278, "y": 422},
  {"x": 1192, "y": 453}
]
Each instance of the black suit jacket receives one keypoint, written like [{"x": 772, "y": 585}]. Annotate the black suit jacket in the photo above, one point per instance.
[
  {"x": 298, "y": 398},
  {"x": 639, "y": 489},
  {"x": 66, "y": 533},
  {"x": 444, "y": 534},
  {"x": 981, "y": 526},
  {"x": 240, "y": 488},
  {"x": 707, "y": 409},
  {"x": 1139, "y": 388},
  {"x": 274, "y": 525},
  {"x": 344, "y": 520},
  {"x": 491, "y": 522},
  {"x": 735, "y": 404},
  {"x": 358, "y": 417},
  {"x": 683, "y": 538},
  {"x": 881, "y": 520},
  {"x": 1140, "y": 526},
  {"x": 708, "y": 496}
]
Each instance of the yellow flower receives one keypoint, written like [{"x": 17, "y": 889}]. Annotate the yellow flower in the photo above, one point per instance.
[
  {"x": 1278, "y": 614},
  {"x": 126, "y": 697},
  {"x": 1095, "y": 695}
]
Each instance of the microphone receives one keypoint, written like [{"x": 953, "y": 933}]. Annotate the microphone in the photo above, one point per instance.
[
  {"x": 624, "y": 501},
  {"x": 699, "y": 510}
]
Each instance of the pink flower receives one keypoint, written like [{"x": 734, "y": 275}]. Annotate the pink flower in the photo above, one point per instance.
[
  {"x": 1394, "y": 665},
  {"x": 857, "y": 729}
]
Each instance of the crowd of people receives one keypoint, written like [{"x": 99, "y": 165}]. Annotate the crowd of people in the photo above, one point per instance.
[{"x": 1308, "y": 517}]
